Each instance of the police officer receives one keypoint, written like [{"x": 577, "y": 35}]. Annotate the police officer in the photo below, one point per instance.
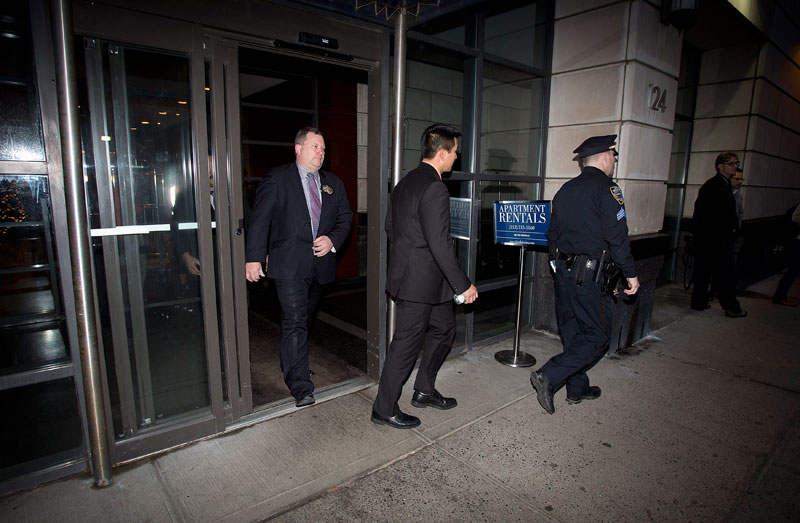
[{"x": 587, "y": 227}]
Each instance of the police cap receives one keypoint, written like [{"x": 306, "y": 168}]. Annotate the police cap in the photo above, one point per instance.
[{"x": 597, "y": 145}]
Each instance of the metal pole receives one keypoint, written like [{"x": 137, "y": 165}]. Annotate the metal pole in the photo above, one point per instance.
[
  {"x": 77, "y": 224},
  {"x": 515, "y": 358},
  {"x": 399, "y": 87}
]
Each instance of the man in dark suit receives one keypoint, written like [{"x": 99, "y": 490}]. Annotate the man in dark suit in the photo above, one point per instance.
[
  {"x": 714, "y": 224},
  {"x": 423, "y": 277},
  {"x": 300, "y": 217}
]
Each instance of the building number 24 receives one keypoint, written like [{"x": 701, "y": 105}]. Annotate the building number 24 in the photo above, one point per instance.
[{"x": 658, "y": 98}]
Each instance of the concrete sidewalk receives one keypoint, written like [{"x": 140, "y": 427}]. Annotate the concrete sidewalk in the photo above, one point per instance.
[{"x": 700, "y": 421}]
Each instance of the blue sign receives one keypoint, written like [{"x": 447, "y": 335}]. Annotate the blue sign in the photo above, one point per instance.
[
  {"x": 460, "y": 217},
  {"x": 521, "y": 223}
]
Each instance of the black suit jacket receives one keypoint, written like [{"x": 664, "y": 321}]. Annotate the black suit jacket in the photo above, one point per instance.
[
  {"x": 715, "y": 210},
  {"x": 422, "y": 262},
  {"x": 281, "y": 227}
]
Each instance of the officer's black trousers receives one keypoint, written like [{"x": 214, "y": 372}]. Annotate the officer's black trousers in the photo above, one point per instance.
[{"x": 584, "y": 316}]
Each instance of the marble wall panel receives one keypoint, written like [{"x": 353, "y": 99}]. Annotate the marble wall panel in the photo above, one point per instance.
[
  {"x": 728, "y": 63},
  {"x": 790, "y": 145},
  {"x": 764, "y": 136},
  {"x": 590, "y": 39},
  {"x": 756, "y": 168},
  {"x": 701, "y": 168},
  {"x": 590, "y": 96},
  {"x": 783, "y": 174},
  {"x": 765, "y": 202},
  {"x": 688, "y": 202},
  {"x": 652, "y": 42},
  {"x": 362, "y": 98},
  {"x": 641, "y": 84},
  {"x": 429, "y": 78},
  {"x": 418, "y": 104},
  {"x": 362, "y": 195},
  {"x": 571, "y": 7},
  {"x": 773, "y": 65},
  {"x": 644, "y": 152},
  {"x": 766, "y": 99},
  {"x": 446, "y": 109},
  {"x": 789, "y": 112},
  {"x": 644, "y": 205},
  {"x": 720, "y": 134},
  {"x": 551, "y": 187},
  {"x": 561, "y": 141},
  {"x": 724, "y": 99},
  {"x": 362, "y": 162}
]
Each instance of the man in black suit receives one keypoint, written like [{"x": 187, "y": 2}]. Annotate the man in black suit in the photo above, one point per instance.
[
  {"x": 423, "y": 277},
  {"x": 715, "y": 224},
  {"x": 300, "y": 217}
]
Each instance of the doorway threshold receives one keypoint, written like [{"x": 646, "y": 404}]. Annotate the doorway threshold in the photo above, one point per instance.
[{"x": 286, "y": 406}]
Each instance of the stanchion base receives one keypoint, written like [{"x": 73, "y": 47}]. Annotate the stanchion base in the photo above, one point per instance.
[{"x": 506, "y": 357}]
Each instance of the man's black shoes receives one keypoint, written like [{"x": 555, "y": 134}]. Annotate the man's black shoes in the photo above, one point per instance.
[
  {"x": 401, "y": 420},
  {"x": 735, "y": 314},
  {"x": 544, "y": 391},
  {"x": 592, "y": 394},
  {"x": 433, "y": 399},
  {"x": 304, "y": 401}
]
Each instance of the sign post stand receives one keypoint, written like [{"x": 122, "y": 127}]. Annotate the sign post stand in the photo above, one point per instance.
[
  {"x": 515, "y": 358},
  {"x": 520, "y": 223}
]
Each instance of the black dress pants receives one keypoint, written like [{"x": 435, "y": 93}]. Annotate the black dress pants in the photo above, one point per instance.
[
  {"x": 431, "y": 327},
  {"x": 713, "y": 259},
  {"x": 584, "y": 315},
  {"x": 299, "y": 299}
]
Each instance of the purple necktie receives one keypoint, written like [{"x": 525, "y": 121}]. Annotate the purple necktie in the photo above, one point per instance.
[{"x": 316, "y": 205}]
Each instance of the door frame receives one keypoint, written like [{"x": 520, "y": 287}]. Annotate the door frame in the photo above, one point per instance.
[{"x": 122, "y": 27}]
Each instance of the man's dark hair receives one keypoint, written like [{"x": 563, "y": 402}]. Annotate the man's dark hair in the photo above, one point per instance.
[
  {"x": 437, "y": 137},
  {"x": 300, "y": 137}
]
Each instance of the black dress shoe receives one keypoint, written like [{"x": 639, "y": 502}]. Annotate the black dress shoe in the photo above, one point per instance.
[
  {"x": 433, "y": 399},
  {"x": 401, "y": 420},
  {"x": 732, "y": 314},
  {"x": 304, "y": 401},
  {"x": 592, "y": 394},
  {"x": 544, "y": 391}
]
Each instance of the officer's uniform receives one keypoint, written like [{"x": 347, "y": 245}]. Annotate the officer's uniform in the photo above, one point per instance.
[{"x": 587, "y": 218}]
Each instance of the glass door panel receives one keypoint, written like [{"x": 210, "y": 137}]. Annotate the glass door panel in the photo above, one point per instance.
[{"x": 142, "y": 184}]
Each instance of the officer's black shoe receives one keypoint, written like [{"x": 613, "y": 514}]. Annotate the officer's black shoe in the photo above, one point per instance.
[
  {"x": 401, "y": 420},
  {"x": 304, "y": 401},
  {"x": 544, "y": 391},
  {"x": 433, "y": 399},
  {"x": 732, "y": 314},
  {"x": 592, "y": 394}
]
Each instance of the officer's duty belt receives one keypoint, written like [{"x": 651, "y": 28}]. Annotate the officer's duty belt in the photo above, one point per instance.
[{"x": 582, "y": 263}]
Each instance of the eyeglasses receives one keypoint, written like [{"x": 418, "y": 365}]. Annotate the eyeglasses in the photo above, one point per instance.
[{"x": 731, "y": 163}]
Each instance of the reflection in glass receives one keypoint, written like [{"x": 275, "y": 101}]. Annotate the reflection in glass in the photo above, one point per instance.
[
  {"x": 511, "y": 125},
  {"x": 434, "y": 94},
  {"x": 47, "y": 427},
  {"x": 517, "y": 32},
  {"x": 496, "y": 310},
  {"x": 152, "y": 279},
  {"x": 31, "y": 322},
  {"x": 498, "y": 262},
  {"x": 20, "y": 120}
]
